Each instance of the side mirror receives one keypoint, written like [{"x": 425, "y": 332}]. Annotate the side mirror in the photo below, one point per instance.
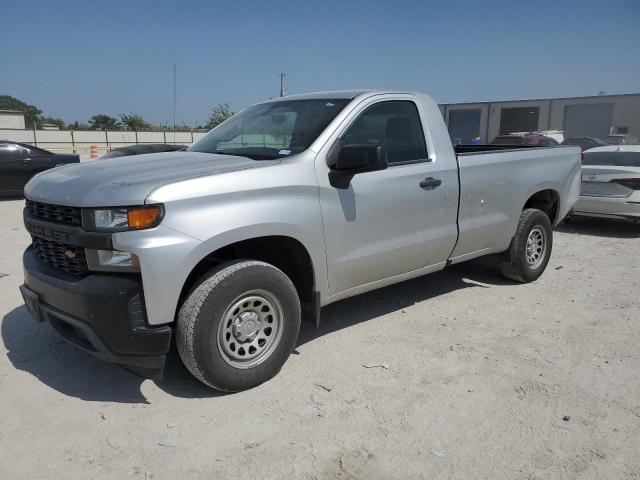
[
  {"x": 360, "y": 158},
  {"x": 349, "y": 160}
]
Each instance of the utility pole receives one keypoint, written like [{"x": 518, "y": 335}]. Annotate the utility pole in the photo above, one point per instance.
[
  {"x": 282, "y": 84},
  {"x": 174, "y": 102}
]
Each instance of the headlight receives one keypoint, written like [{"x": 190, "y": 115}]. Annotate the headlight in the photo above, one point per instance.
[
  {"x": 114, "y": 219},
  {"x": 122, "y": 218},
  {"x": 112, "y": 261}
]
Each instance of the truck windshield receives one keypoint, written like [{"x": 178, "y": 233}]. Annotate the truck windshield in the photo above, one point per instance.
[{"x": 271, "y": 130}]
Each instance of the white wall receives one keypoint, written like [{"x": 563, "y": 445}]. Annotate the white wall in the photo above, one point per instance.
[{"x": 81, "y": 141}]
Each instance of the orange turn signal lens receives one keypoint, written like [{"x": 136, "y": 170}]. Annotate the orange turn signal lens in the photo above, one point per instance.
[{"x": 144, "y": 217}]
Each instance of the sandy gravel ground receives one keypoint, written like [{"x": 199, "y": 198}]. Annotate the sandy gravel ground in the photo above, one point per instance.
[{"x": 460, "y": 374}]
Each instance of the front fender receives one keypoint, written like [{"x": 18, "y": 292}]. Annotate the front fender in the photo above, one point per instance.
[
  {"x": 167, "y": 257},
  {"x": 313, "y": 246},
  {"x": 205, "y": 214}
]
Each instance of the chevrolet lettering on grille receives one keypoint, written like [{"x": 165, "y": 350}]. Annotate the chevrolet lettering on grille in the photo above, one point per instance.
[{"x": 50, "y": 233}]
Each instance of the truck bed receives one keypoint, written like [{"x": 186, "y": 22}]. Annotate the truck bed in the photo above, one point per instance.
[{"x": 495, "y": 181}]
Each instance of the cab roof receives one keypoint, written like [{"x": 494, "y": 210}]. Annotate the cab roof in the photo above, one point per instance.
[{"x": 346, "y": 94}]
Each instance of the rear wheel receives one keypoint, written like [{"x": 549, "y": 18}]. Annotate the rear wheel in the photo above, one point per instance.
[
  {"x": 530, "y": 248},
  {"x": 238, "y": 326}
]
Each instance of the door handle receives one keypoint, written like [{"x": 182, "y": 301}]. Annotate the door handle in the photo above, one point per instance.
[{"x": 430, "y": 182}]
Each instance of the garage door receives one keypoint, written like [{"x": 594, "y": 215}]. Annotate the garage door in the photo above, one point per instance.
[
  {"x": 592, "y": 120},
  {"x": 464, "y": 124},
  {"x": 519, "y": 119}
]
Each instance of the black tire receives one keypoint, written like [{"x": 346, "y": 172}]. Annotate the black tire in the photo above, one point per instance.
[
  {"x": 209, "y": 302},
  {"x": 514, "y": 263}
]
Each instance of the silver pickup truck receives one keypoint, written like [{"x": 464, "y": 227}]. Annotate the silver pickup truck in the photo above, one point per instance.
[{"x": 286, "y": 207}]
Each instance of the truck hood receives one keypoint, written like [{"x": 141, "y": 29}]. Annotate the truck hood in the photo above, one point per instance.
[{"x": 128, "y": 180}]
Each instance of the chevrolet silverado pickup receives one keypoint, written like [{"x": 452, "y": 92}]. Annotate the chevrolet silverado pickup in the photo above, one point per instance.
[{"x": 287, "y": 206}]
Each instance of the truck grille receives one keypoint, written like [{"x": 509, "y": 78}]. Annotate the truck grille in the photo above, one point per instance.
[
  {"x": 55, "y": 213},
  {"x": 67, "y": 258}
]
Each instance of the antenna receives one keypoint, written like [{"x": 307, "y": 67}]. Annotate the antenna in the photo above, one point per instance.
[
  {"x": 174, "y": 103},
  {"x": 282, "y": 91}
]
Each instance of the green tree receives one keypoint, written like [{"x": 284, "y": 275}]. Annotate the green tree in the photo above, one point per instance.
[
  {"x": 133, "y": 121},
  {"x": 218, "y": 115},
  {"x": 103, "y": 122},
  {"x": 31, "y": 112},
  {"x": 77, "y": 126}
]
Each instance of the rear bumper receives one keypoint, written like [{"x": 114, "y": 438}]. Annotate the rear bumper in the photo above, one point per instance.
[
  {"x": 103, "y": 314},
  {"x": 608, "y": 207}
]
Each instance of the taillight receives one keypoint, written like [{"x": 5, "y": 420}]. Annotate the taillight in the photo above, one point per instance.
[
  {"x": 582, "y": 157},
  {"x": 633, "y": 183}
]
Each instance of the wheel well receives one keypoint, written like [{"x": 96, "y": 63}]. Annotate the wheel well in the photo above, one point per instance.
[
  {"x": 546, "y": 200},
  {"x": 285, "y": 253}
]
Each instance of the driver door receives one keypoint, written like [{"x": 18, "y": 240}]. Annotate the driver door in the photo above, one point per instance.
[{"x": 387, "y": 222}]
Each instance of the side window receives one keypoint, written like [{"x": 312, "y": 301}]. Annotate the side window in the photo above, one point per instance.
[{"x": 392, "y": 124}]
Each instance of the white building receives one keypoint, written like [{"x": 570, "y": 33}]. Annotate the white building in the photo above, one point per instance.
[
  {"x": 12, "y": 119},
  {"x": 597, "y": 116}
]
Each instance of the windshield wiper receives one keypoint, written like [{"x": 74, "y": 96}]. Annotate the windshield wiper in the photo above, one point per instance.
[
  {"x": 227, "y": 152},
  {"x": 252, "y": 156}
]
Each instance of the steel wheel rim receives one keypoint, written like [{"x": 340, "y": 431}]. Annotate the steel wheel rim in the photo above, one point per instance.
[
  {"x": 536, "y": 248},
  {"x": 250, "y": 329}
]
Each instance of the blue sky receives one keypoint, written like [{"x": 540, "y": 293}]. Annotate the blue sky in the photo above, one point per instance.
[{"x": 74, "y": 59}]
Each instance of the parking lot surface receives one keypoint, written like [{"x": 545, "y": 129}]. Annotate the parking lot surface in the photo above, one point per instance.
[{"x": 460, "y": 374}]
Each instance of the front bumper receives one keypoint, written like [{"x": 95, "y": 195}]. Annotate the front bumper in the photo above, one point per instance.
[{"x": 103, "y": 314}]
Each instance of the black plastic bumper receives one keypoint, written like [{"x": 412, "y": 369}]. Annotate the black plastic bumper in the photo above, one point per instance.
[{"x": 103, "y": 314}]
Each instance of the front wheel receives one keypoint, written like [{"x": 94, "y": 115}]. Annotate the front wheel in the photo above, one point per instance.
[
  {"x": 238, "y": 326},
  {"x": 530, "y": 248}
]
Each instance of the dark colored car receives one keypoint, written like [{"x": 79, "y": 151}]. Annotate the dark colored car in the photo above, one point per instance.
[
  {"x": 19, "y": 162},
  {"x": 585, "y": 143},
  {"x": 529, "y": 139},
  {"x": 141, "y": 149}
]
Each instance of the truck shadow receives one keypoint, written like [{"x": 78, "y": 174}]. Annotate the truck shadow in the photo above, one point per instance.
[
  {"x": 36, "y": 349},
  {"x": 600, "y": 227},
  {"x": 479, "y": 273}
]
